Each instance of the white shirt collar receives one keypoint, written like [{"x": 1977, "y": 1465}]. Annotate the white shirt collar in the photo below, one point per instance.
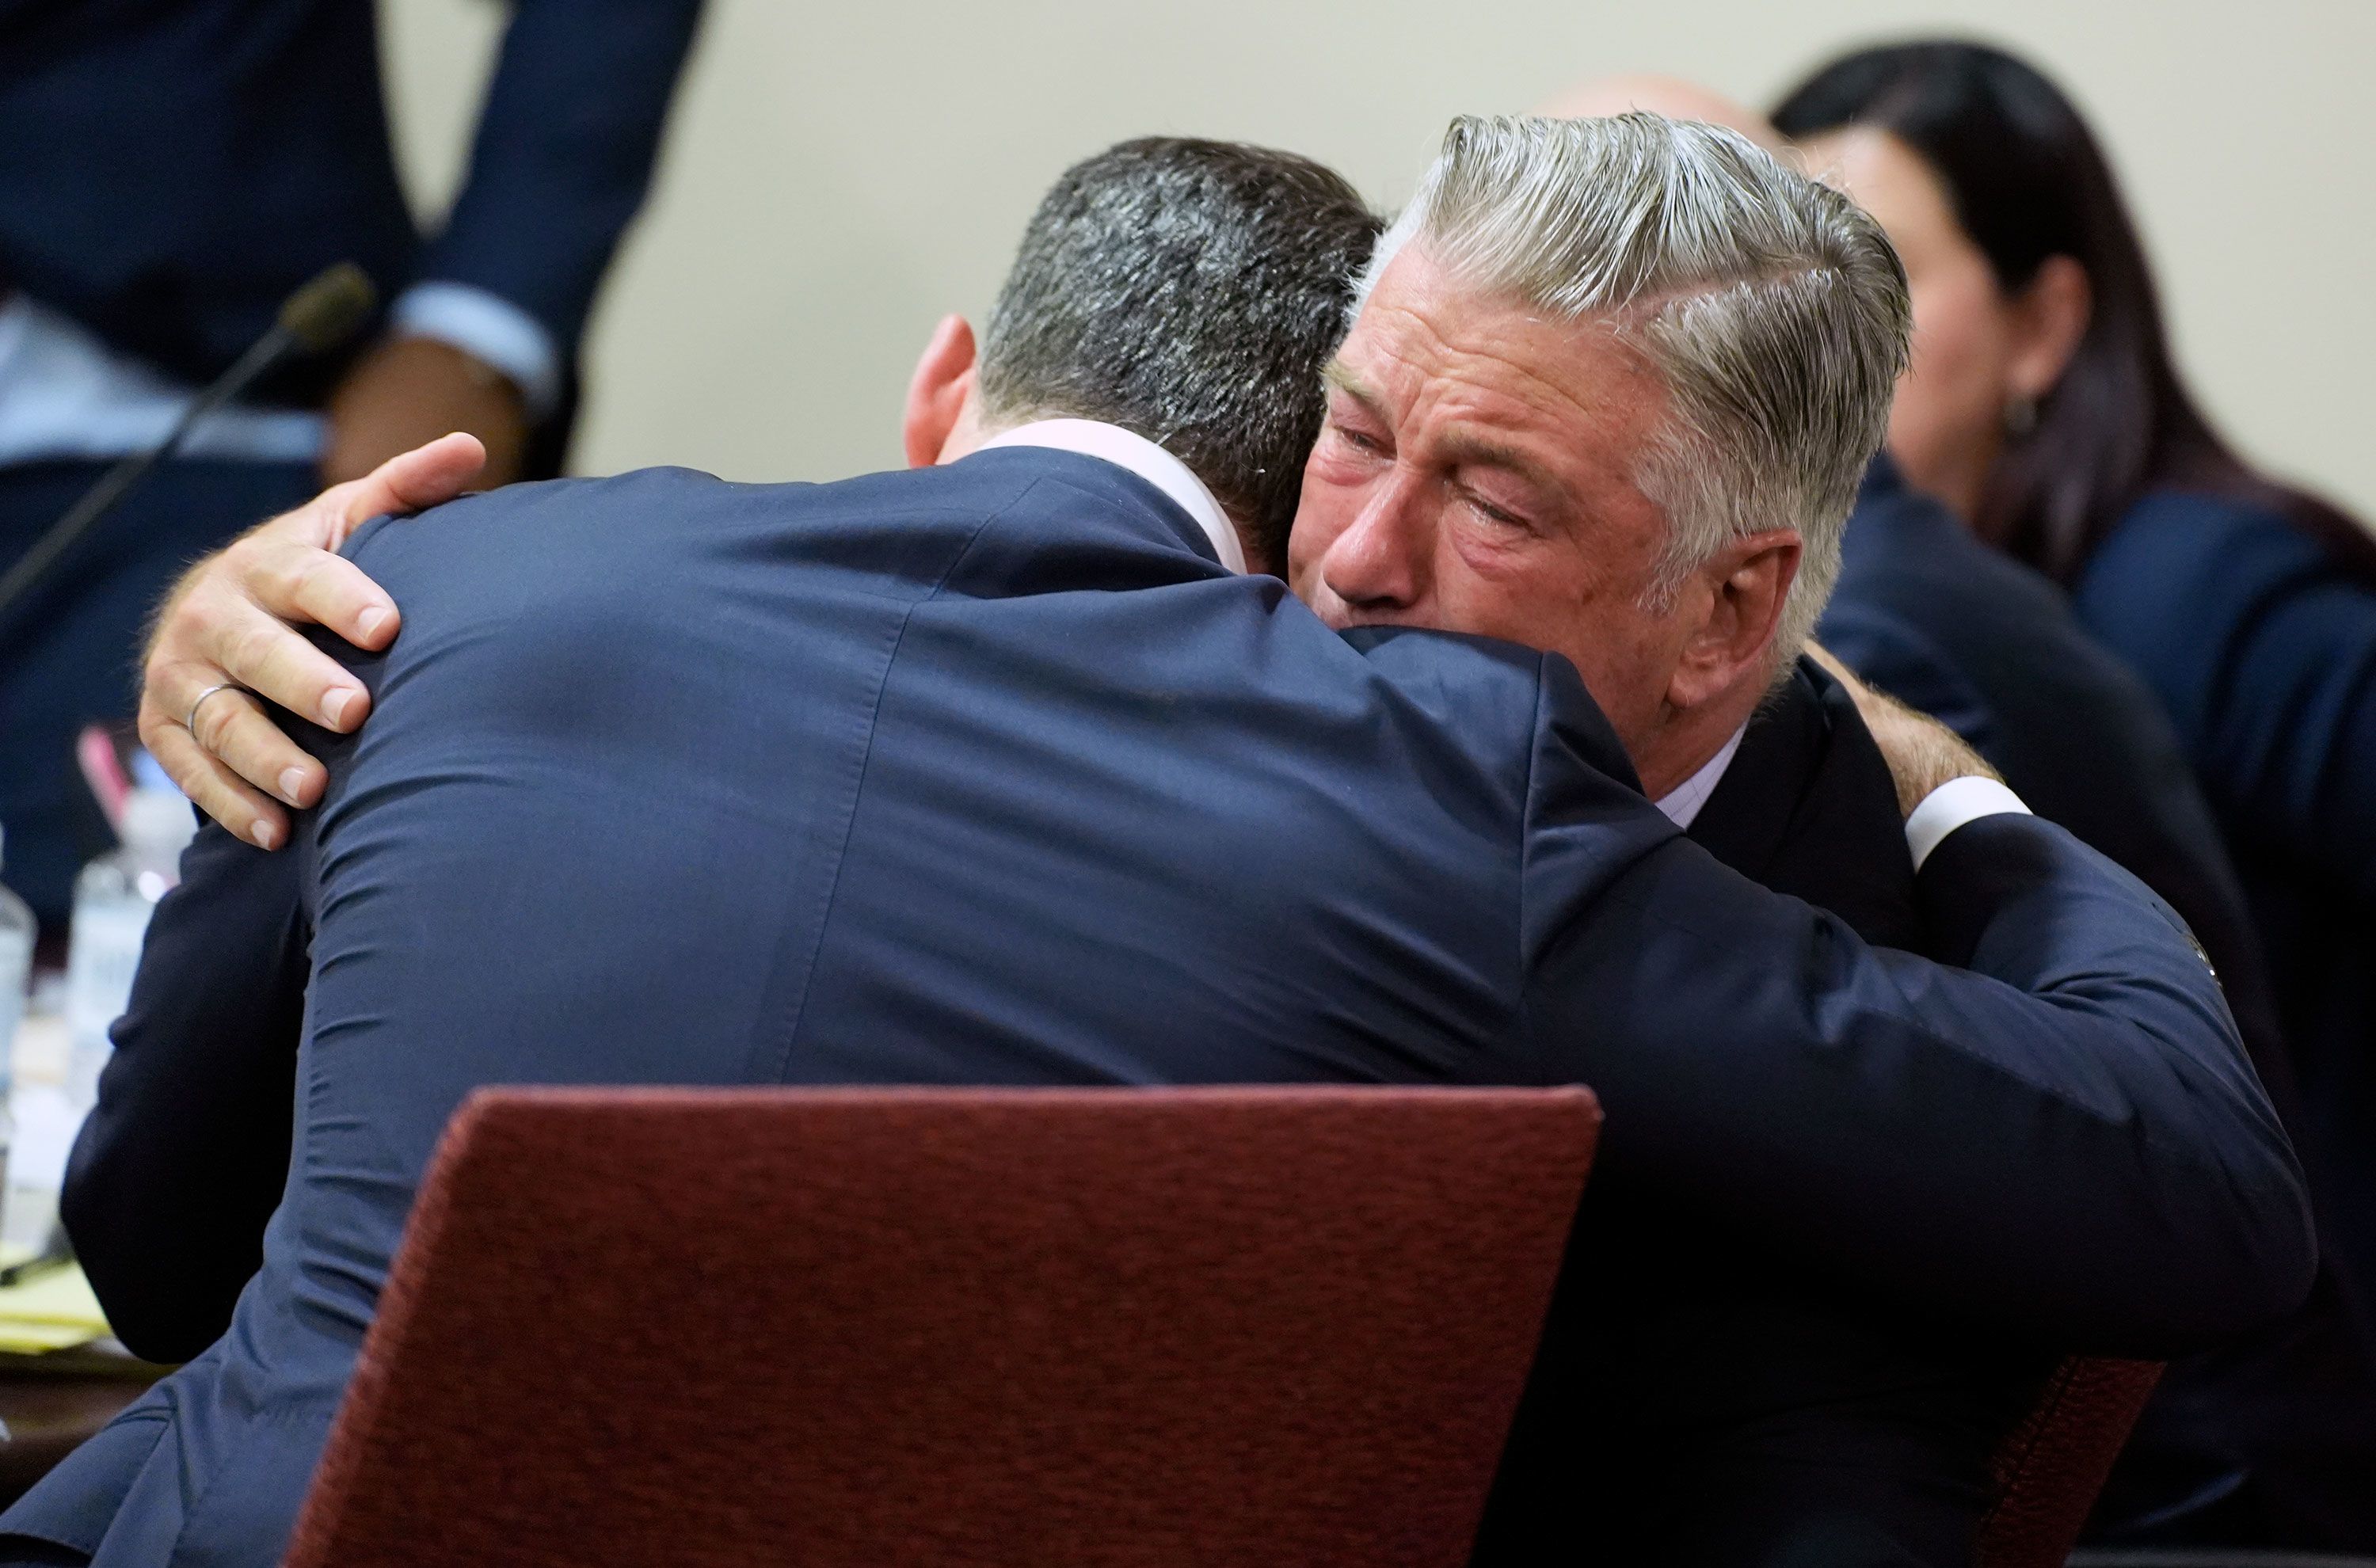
[
  {"x": 1094, "y": 438},
  {"x": 1683, "y": 802}
]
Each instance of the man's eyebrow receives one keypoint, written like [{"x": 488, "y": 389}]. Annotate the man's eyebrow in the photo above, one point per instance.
[{"x": 1338, "y": 375}]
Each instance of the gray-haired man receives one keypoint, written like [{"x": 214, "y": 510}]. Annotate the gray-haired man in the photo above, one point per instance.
[
  {"x": 1609, "y": 391},
  {"x": 1531, "y": 431}
]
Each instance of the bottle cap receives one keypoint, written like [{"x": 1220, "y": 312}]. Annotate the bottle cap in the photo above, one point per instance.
[{"x": 155, "y": 826}]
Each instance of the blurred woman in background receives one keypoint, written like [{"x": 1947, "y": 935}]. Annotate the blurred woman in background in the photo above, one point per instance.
[{"x": 2044, "y": 407}]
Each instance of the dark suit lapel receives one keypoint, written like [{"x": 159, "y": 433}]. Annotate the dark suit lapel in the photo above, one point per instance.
[
  {"x": 1807, "y": 808},
  {"x": 1746, "y": 821}
]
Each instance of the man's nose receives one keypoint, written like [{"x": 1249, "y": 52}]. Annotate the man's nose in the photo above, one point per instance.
[{"x": 1380, "y": 563}]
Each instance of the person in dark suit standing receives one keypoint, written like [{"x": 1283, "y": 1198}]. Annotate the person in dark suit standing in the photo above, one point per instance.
[
  {"x": 1287, "y": 854},
  {"x": 175, "y": 168},
  {"x": 2047, "y": 417}
]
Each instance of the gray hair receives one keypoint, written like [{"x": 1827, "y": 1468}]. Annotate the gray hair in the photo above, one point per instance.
[
  {"x": 1771, "y": 307},
  {"x": 1190, "y": 291}
]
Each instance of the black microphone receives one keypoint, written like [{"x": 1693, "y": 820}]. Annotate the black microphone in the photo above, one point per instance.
[{"x": 320, "y": 316}]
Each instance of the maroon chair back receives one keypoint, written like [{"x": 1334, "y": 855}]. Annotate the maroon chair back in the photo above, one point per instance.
[
  {"x": 2049, "y": 1471},
  {"x": 1097, "y": 1326}
]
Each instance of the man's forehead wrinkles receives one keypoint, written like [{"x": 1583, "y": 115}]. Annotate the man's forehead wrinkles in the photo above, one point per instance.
[
  {"x": 1498, "y": 418},
  {"x": 1481, "y": 359},
  {"x": 1448, "y": 422},
  {"x": 1428, "y": 391}
]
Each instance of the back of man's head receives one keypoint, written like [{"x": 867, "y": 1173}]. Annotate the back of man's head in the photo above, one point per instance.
[
  {"x": 1771, "y": 307},
  {"x": 1191, "y": 291}
]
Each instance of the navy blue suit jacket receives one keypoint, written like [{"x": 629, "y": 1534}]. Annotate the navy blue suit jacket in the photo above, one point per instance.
[
  {"x": 1701, "y": 1398},
  {"x": 176, "y": 167},
  {"x": 991, "y": 774}
]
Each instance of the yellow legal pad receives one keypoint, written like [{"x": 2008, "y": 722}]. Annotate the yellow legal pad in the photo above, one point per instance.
[{"x": 51, "y": 1310}]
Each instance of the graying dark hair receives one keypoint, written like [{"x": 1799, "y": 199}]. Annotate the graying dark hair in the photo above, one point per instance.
[
  {"x": 1190, "y": 292},
  {"x": 1771, "y": 307}
]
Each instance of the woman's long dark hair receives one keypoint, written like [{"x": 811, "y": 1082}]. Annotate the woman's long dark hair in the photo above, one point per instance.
[{"x": 2027, "y": 181}]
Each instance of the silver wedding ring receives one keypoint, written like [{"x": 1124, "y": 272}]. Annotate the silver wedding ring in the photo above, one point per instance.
[{"x": 191, "y": 723}]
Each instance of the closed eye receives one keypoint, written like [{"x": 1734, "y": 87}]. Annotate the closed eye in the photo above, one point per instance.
[
  {"x": 1498, "y": 514},
  {"x": 1359, "y": 440}
]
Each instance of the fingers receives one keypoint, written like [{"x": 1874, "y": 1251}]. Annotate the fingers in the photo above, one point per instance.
[
  {"x": 237, "y": 761},
  {"x": 228, "y": 624},
  {"x": 237, "y": 639},
  {"x": 1831, "y": 662},
  {"x": 275, "y": 662},
  {"x": 1871, "y": 703},
  {"x": 216, "y": 789},
  {"x": 301, "y": 584},
  {"x": 232, "y": 727},
  {"x": 412, "y": 480}
]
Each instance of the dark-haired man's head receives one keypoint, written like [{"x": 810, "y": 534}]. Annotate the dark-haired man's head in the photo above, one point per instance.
[{"x": 1188, "y": 291}]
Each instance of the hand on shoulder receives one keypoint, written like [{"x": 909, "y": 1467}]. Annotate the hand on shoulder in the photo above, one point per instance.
[
  {"x": 228, "y": 629},
  {"x": 1922, "y": 753}
]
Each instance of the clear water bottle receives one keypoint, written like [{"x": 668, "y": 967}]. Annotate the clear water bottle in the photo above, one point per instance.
[
  {"x": 17, "y": 931},
  {"x": 113, "y": 899}
]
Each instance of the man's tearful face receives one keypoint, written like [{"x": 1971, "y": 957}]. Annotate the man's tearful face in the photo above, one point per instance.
[{"x": 1476, "y": 473}]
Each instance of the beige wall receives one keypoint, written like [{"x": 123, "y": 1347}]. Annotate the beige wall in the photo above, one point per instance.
[{"x": 838, "y": 176}]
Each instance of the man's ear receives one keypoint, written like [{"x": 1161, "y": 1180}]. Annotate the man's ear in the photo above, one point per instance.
[
  {"x": 938, "y": 392},
  {"x": 1743, "y": 589}
]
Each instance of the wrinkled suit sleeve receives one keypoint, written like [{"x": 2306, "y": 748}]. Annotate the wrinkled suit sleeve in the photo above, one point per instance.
[
  {"x": 2062, "y": 1140},
  {"x": 565, "y": 148},
  {"x": 183, "y": 1159}
]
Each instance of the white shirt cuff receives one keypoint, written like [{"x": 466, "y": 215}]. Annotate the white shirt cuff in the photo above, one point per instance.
[
  {"x": 489, "y": 329},
  {"x": 1950, "y": 807}
]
